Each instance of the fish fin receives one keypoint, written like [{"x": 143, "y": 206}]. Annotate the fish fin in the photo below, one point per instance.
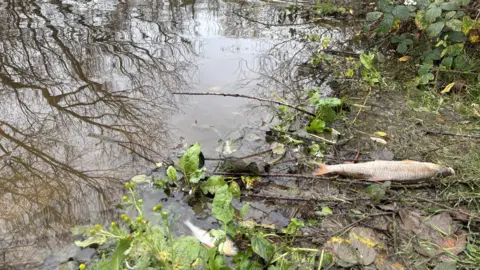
[{"x": 321, "y": 170}]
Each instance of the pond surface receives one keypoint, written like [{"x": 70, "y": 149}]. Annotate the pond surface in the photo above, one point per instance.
[{"x": 87, "y": 92}]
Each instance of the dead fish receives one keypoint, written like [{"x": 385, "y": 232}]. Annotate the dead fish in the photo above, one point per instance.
[
  {"x": 382, "y": 170},
  {"x": 227, "y": 247}
]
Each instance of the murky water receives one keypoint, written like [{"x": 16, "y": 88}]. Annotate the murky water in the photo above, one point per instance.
[{"x": 87, "y": 101}]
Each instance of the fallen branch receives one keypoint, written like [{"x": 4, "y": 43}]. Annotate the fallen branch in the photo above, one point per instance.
[
  {"x": 441, "y": 132},
  {"x": 296, "y": 199},
  {"x": 244, "y": 96}
]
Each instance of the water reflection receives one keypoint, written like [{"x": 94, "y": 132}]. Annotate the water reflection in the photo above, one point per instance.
[
  {"x": 85, "y": 90},
  {"x": 86, "y": 99}
]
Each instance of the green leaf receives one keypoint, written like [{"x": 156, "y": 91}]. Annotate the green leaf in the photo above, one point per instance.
[
  {"x": 293, "y": 226},
  {"x": 278, "y": 148},
  {"x": 467, "y": 24},
  {"x": 234, "y": 188},
  {"x": 213, "y": 184},
  {"x": 326, "y": 211},
  {"x": 316, "y": 126},
  {"x": 432, "y": 14},
  {"x": 402, "y": 47},
  {"x": 349, "y": 73},
  {"x": 263, "y": 248},
  {"x": 116, "y": 261},
  {"x": 190, "y": 160},
  {"x": 244, "y": 210},
  {"x": 454, "y": 50},
  {"x": 447, "y": 62},
  {"x": 221, "y": 206},
  {"x": 462, "y": 2},
  {"x": 435, "y": 29},
  {"x": 386, "y": 24},
  {"x": 455, "y": 24},
  {"x": 377, "y": 191},
  {"x": 397, "y": 39},
  {"x": 401, "y": 12},
  {"x": 446, "y": 266},
  {"x": 197, "y": 175},
  {"x": 385, "y": 5},
  {"x": 329, "y": 101},
  {"x": 423, "y": 4},
  {"x": 424, "y": 69},
  {"x": 95, "y": 239},
  {"x": 448, "y": 6},
  {"x": 373, "y": 16},
  {"x": 456, "y": 36},
  {"x": 172, "y": 173},
  {"x": 427, "y": 78},
  {"x": 366, "y": 60},
  {"x": 187, "y": 249},
  {"x": 450, "y": 15}
]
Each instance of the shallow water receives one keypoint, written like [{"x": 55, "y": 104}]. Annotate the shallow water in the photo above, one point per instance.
[{"x": 87, "y": 102}]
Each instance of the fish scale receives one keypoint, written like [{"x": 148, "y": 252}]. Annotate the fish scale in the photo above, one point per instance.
[{"x": 380, "y": 170}]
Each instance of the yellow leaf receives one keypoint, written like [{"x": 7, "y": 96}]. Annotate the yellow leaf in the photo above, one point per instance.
[
  {"x": 378, "y": 140},
  {"x": 403, "y": 59},
  {"x": 159, "y": 164},
  {"x": 380, "y": 133},
  {"x": 447, "y": 88},
  {"x": 351, "y": 11}
]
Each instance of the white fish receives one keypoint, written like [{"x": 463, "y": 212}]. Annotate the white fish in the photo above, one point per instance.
[{"x": 227, "y": 247}]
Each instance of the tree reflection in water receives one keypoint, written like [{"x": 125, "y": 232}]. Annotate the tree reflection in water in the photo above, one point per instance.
[{"x": 85, "y": 92}]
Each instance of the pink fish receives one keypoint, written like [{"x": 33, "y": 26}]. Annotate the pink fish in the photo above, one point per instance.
[{"x": 382, "y": 170}]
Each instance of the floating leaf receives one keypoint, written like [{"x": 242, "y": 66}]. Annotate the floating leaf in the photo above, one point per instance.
[
  {"x": 278, "y": 148},
  {"x": 435, "y": 29},
  {"x": 263, "y": 248},
  {"x": 213, "y": 184},
  {"x": 172, "y": 173},
  {"x": 401, "y": 12},
  {"x": 380, "y": 133},
  {"x": 221, "y": 206},
  {"x": 378, "y": 140},
  {"x": 447, "y": 88}
]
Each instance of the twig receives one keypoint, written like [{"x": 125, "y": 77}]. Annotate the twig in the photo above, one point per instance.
[
  {"x": 276, "y": 198},
  {"x": 244, "y": 96},
  {"x": 441, "y": 132},
  {"x": 363, "y": 105},
  {"x": 349, "y": 226}
]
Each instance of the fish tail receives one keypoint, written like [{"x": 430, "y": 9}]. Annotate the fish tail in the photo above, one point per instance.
[{"x": 321, "y": 170}]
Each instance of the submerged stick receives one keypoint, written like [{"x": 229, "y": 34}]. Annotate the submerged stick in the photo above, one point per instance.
[
  {"x": 441, "y": 132},
  {"x": 244, "y": 96}
]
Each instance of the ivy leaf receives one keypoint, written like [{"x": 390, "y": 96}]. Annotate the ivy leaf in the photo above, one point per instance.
[
  {"x": 386, "y": 24},
  {"x": 401, "y": 12},
  {"x": 456, "y": 36},
  {"x": 244, "y": 210},
  {"x": 424, "y": 69},
  {"x": 385, "y": 5},
  {"x": 435, "y": 29},
  {"x": 373, "y": 16},
  {"x": 172, "y": 173},
  {"x": 263, "y": 248},
  {"x": 316, "y": 126},
  {"x": 432, "y": 14},
  {"x": 221, "y": 206},
  {"x": 455, "y": 24},
  {"x": 402, "y": 47},
  {"x": 427, "y": 78},
  {"x": 190, "y": 160},
  {"x": 213, "y": 184}
]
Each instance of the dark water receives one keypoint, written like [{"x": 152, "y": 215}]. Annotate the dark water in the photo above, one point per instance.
[{"x": 86, "y": 92}]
